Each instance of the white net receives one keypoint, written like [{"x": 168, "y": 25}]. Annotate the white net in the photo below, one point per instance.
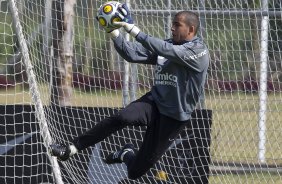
[{"x": 79, "y": 80}]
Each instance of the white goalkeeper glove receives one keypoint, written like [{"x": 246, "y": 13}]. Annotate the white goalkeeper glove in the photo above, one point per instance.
[{"x": 126, "y": 21}]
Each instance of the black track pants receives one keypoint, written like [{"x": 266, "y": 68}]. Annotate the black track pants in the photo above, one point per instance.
[{"x": 160, "y": 133}]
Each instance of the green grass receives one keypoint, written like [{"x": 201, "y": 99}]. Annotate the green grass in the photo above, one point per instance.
[
  {"x": 254, "y": 178},
  {"x": 235, "y": 120},
  {"x": 94, "y": 98},
  {"x": 234, "y": 128}
]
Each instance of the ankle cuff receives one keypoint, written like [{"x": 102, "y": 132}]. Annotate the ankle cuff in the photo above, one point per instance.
[
  {"x": 73, "y": 150},
  {"x": 124, "y": 153}
]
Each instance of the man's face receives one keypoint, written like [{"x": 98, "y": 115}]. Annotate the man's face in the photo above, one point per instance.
[{"x": 180, "y": 30}]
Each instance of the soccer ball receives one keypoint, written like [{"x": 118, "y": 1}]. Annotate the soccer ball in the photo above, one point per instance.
[{"x": 107, "y": 14}]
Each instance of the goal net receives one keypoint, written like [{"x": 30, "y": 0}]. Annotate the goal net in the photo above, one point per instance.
[{"x": 60, "y": 75}]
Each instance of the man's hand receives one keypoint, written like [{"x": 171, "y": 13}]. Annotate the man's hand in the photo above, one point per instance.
[{"x": 126, "y": 21}]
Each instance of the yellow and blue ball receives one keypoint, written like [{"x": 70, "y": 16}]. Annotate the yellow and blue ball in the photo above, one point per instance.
[{"x": 107, "y": 14}]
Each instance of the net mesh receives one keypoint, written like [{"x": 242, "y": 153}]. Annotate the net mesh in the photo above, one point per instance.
[{"x": 85, "y": 81}]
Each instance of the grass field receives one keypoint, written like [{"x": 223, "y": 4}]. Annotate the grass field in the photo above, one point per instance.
[
  {"x": 234, "y": 130},
  {"x": 255, "y": 178},
  {"x": 235, "y": 135}
]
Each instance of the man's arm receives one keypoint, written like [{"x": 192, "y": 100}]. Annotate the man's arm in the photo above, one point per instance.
[
  {"x": 133, "y": 52},
  {"x": 190, "y": 55},
  {"x": 187, "y": 54}
]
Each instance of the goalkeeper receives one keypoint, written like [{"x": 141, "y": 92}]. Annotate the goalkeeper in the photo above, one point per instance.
[{"x": 180, "y": 74}]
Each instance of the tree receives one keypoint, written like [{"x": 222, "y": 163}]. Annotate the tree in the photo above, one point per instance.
[{"x": 62, "y": 35}]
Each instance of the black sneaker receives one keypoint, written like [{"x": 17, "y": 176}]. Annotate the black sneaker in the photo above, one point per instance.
[
  {"x": 61, "y": 151},
  {"x": 116, "y": 157}
]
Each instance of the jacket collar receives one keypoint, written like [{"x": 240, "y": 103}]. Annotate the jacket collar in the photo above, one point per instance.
[{"x": 185, "y": 41}]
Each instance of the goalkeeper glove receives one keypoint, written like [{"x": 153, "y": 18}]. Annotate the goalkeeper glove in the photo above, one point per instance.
[{"x": 126, "y": 21}]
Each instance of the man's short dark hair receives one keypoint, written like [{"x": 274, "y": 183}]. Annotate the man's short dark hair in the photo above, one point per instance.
[{"x": 192, "y": 19}]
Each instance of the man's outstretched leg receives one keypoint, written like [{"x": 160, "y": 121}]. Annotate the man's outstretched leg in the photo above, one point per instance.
[
  {"x": 138, "y": 113},
  {"x": 89, "y": 138}
]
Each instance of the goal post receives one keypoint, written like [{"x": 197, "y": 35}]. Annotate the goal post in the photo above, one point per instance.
[
  {"x": 263, "y": 83},
  {"x": 242, "y": 95}
]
